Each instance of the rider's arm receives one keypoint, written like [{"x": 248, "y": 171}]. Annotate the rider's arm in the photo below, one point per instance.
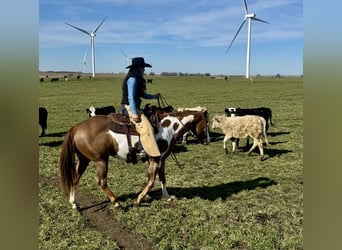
[{"x": 131, "y": 85}]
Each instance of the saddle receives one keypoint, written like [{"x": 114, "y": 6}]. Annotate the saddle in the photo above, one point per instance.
[{"x": 121, "y": 124}]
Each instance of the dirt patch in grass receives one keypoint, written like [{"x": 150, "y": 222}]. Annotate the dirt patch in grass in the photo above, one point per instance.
[{"x": 100, "y": 218}]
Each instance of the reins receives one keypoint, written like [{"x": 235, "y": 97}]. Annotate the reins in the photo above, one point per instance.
[{"x": 162, "y": 103}]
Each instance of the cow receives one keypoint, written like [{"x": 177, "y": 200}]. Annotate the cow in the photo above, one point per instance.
[
  {"x": 241, "y": 127},
  {"x": 43, "y": 115},
  {"x": 55, "y": 79},
  {"x": 92, "y": 111},
  {"x": 264, "y": 112}
]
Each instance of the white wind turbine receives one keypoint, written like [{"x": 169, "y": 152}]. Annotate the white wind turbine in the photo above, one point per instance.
[
  {"x": 249, "y": 17},
  {"x": 92, "y": 36},
  {"x": 128, "y": 59}
]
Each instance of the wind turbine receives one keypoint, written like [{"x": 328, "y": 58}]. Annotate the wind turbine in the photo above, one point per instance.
[
  {"x": 84, "y": 61},
  {"x": 249, "y": 17},
  {"x": 128, "y": 59},
  {"x": 92, "y": 36}
]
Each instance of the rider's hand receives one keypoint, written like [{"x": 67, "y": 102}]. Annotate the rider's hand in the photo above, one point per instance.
[{"x": 136, "y": 118}]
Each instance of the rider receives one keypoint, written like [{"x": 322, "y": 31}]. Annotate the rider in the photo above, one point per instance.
[{"x": 133, "y": 89}]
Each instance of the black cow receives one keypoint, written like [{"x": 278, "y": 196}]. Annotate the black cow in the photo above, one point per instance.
[
  {"x": 149, "y": 81},
  {"x": 55, "y": 79},
  {"x": 92, "y": 111},
  {"x": 43, "y": 115}
]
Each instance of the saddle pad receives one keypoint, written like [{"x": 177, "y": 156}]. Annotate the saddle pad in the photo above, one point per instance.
[{"x": 121, "y": 124}]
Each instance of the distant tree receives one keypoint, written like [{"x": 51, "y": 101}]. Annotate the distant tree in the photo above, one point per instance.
[
  {"x": 152, "y": 74},
  {"x": 278, "y": 76}
]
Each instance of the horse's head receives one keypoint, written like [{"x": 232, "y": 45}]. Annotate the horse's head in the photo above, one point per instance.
[
  {"x": 195, "y": 121},
  {"x": 202, "y": 127}
]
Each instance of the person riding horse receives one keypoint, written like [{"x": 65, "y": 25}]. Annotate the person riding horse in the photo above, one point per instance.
[{"x": 133, "y": 89}]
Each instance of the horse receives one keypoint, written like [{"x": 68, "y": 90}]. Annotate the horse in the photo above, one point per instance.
[{"x": 93, "y": 140}]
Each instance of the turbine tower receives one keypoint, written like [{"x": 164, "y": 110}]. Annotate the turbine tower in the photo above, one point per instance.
[
  {"x": 92, "y": 36},
  {"x": 249, "y": 17}
]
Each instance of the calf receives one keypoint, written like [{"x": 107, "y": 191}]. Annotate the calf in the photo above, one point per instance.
[
  {"x": 43, "y": 114},
  {"x": 264, "y": 112},
  {"x": 240, "y": 127},
  {"x": 92, "y": 111}
]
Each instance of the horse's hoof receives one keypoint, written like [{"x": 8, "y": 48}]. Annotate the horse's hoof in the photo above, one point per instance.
[
  {"x": 171, "y": 198},
  {"x": 136, "y": 204},
  {"x": 75, "y": 206},
  {"x": 116, "y": 204}
]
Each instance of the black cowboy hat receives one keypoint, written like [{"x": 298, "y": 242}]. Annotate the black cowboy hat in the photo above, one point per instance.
[{"x": 138, "y": 62}]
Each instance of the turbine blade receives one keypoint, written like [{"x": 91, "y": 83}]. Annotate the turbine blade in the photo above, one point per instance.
[
  {"x": 82, "y": 30},
  {"x": 245, "y": 7},
  {"x": 243, "y": 22},
  {"x": 258, "y": 19},
  {"x": 94, "y": 31},
  {"x": 123, "y": 52},
  {"x": 85, "y": 55}
]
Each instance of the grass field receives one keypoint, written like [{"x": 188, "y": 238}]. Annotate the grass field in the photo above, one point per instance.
[{"x": 223, "y": 201}]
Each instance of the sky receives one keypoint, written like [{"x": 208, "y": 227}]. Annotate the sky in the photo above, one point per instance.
[{"x": 172, "y": 35}]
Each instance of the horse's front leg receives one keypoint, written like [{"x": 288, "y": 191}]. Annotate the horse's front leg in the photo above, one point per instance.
[
  {"x": 152, "y": 170},
  {"x": 161, "y": 173}
]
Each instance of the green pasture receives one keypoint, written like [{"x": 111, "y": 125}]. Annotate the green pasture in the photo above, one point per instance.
[{"x": 231, "y": 201}]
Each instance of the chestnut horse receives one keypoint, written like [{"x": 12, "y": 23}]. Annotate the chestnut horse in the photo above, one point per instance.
[{"x": 93, "y": 140}]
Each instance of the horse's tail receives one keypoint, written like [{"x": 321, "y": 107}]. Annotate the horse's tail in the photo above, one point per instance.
[{"x": 67, "y": 163}]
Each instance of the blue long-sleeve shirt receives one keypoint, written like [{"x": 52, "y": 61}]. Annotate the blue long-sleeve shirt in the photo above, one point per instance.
[{"x": 131, "y": 86}]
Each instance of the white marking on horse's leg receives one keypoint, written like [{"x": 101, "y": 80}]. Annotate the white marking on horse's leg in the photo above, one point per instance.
[
  {"x": 72, "y": 198},
  {"x": 164, "y": 190}
]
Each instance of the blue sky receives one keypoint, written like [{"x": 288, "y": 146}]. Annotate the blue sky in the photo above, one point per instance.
[{"x": 173, "y": 35}]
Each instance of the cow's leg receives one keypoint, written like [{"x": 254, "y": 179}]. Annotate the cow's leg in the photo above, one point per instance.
[
  {"x": 152, "y": 170},
  {"x": 101, "y": 176},
  {"x": 261, "y": 149},
  {"x": 226, "y": 138},
  {"x": 255, "y": 143},
  {"x": 266, "y": 140},
  {"x": 234, "y": 144}
]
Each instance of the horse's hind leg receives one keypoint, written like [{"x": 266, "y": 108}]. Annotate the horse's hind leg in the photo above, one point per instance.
[
  {"x": 82, "y": 165},
  {"x": 152, "y": 170},
  {"x": 101, "y": 171}
]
